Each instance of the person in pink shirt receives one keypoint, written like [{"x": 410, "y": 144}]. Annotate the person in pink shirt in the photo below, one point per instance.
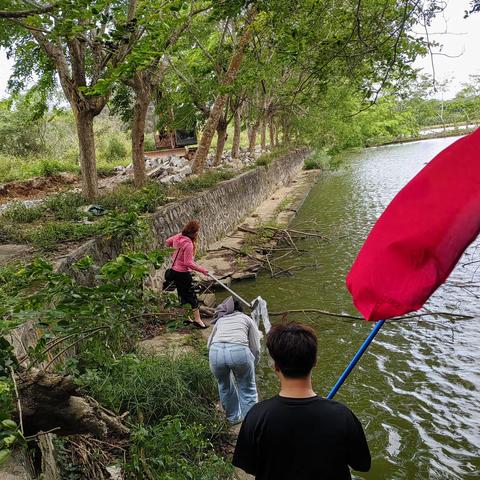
[{"x": 183, "y": 263}]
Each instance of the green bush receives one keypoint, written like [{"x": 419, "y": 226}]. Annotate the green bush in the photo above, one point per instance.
[
  {"x": 207, "y": 180},
  {"x": 149, "y": 143},
  {"x": 126, "y": 197},
  {"x": 175, "y": 449},
  {"x": 152, "y": 387},
  {"x": 20, "y": 213},
  {"x": 115, "y": 150},
  {"x": 48, "y": 168}
]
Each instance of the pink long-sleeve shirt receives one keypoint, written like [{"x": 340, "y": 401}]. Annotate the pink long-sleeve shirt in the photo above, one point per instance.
[{"x": 184, "y": 261}]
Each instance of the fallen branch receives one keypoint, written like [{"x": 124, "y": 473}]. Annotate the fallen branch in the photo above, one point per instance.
[
  {"x": 353, "y": 317},
  {"x": 315, "y": 310}
]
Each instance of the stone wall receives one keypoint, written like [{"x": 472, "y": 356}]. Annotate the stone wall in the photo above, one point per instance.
[{"x": 219, "y": 209}]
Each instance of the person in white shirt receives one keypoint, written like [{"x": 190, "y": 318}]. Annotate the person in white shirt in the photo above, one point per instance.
[{"x": 234, "y": 351}]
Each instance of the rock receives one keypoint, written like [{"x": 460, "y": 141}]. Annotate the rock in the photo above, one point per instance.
[
  {"x": 156, "y": 172},
  {"x": 119, "y": 169},
  {"x": 244, "y": 275},
  {"x": 208, "y": 299},
  {"x": 185, "y": 170},
  {"x": 171, "y": 179}
]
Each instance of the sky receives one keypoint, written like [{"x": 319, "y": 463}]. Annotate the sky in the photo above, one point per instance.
[{"x": 457, "y": 58}]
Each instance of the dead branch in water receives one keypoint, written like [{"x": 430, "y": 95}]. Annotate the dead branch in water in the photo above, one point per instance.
[{"x": 458, "y": 316}]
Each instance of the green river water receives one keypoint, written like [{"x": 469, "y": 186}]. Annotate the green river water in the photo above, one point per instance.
[{"x": 417, "y": 389}]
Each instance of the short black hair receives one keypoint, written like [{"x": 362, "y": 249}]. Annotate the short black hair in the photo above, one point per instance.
[
  {"x": 293, "y": 348},
  {"x": 237, "y": 306}
]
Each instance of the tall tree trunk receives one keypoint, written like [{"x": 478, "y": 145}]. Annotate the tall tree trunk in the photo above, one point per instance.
[
  {"x": 253, "y": 137},
  {"x": 237, "y": 130},
  {"x": 221, "y": 138},
  {"x": 86, "y": 144},
  {"x": 271, "y": 130},
  {"x": 276, "y": 135},
  {"x": 263, "y": 135},
  {"x": 220, "y": 101},
  {"x": 142, "y": 98}
]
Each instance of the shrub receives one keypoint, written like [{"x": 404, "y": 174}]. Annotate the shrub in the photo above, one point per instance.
[
  {"x": 21, "y": 213},
  {"x": 48, "y": 168},
  {"x": 126, "y": 197},
  {"x": 149, "y": 143},
  {"x": 206, "y": 180},
  {"x": 267, "y": 158},
  {"x": 115, "y": 150},
  {"x": 175, "y": 450},
  {"x": 319, "y": 160}
]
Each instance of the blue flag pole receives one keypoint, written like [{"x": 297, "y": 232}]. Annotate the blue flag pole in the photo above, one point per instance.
[{"x": 355, "y": 359}]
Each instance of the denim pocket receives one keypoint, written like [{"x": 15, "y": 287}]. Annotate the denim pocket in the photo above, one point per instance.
[{"x": 239, "y": 356}]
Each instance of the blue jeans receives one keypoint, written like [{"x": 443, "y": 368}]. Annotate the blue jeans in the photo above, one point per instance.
[{"x": 234, "y": 368}]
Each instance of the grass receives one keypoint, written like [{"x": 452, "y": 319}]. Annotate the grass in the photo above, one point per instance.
[
  {"x": 153, "y": 387},
  {"x": 48, "y": 235},
  {"x": 267, "y": 158},
  {"x": 204, "y": 181},
  {"x": 61, "y": 218},
  {"x": 20, "y": 213},
  {"x": 175, "y": 449},
  {"x": 320, "y": 160}
]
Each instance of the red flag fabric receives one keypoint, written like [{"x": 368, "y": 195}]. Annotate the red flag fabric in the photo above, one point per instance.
[{"x": 421, "y": 235}]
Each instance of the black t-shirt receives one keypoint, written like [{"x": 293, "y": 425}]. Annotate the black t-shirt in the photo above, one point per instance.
[{"x": 302, "y": 439}]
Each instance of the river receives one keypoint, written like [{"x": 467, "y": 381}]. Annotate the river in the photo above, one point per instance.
[{"x": 417, "y": 389}]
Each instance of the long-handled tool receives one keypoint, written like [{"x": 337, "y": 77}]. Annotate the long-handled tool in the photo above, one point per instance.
[
  {"x": 355, "y": 359},
  {"x": 258, "y": 306},
  {"x": 249, "y": 305}
]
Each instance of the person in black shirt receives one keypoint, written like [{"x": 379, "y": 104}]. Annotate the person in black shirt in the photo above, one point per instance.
[{"x": 296, "y": 434}]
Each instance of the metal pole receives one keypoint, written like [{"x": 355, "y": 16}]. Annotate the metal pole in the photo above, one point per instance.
[
  {"x": 249, "y": 305},
  {"x": 355, "y": 359}
]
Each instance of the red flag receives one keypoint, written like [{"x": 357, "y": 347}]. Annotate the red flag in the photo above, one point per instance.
[{"x": 421, "y": 235}]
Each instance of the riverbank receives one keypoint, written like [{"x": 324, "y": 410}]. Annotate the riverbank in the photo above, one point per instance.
[
  {"x": 115, "y": 358},
  {"x": 431, "y": 136}
]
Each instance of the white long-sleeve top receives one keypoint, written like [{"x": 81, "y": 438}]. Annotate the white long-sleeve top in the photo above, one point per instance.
[{"x": 236, "y": 328}]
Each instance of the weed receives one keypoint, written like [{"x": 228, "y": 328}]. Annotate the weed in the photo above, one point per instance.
[
  {"x": 318, "y": 161},
  {"x": 65, "y": 206},
  {"x": 48, "y": 168},
  {"x": 21, "y": 213},
  {"x": 152, "y": 387},
  {"x": 127, "y": 197},
  {"x": 175, "y": 449},
  {"x": 207, "y": 180},
  {"x": 50, "y": 234}
]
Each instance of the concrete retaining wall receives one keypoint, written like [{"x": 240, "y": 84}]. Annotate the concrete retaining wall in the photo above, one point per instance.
[{"x": 218, "y": 209}]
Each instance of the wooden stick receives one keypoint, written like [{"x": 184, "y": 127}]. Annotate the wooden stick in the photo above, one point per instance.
[
  {"x": 19, "y": 404},
  {"x": 315, "y": 310}
]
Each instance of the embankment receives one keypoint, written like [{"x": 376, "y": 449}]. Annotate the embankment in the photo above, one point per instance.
[{"x": 218, "y": 209}]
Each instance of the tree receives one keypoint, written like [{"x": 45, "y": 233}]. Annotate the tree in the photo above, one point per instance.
[
  {"x": 221, "y": 99},
  {"x": 83, "y": 42}
]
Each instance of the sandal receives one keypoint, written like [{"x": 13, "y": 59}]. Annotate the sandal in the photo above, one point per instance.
[{"x": 197, "y": 325}]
